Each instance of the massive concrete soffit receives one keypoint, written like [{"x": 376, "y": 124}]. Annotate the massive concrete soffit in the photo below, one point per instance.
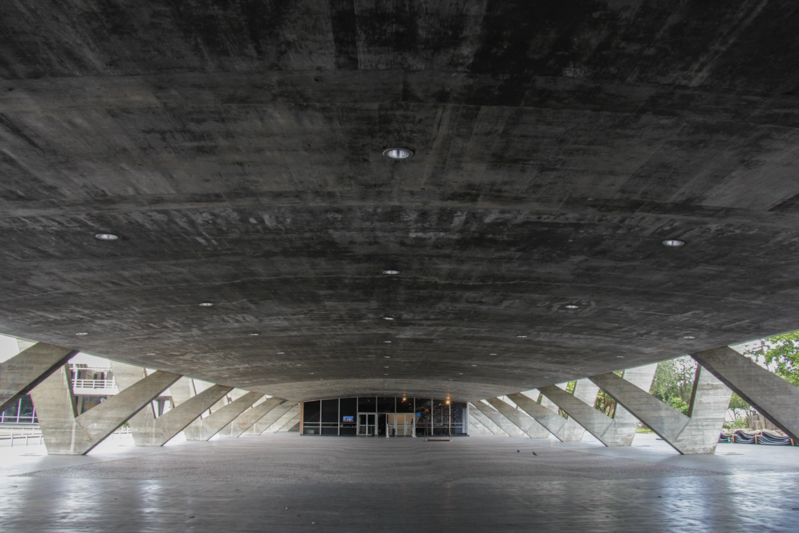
[{"x": 237, "y": 154}]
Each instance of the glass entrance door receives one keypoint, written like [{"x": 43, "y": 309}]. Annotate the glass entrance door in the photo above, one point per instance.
[{"x": 366, "y": 425}]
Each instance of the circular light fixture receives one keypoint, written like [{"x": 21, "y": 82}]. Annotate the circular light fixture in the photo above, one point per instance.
[
  {"x": 673, "y": 243},
  {"x": 81, "y": 334},
  {"x": 388, "y": 318},
  {"x": 448, "y": 400},
  {"x": 106, "y": 236},
  {"x": 206, "y": 304},
  {"x": 571, "y": 306},
  {"x": 281, "y": 353},
  {"x": 689, "y": 337},
  {"x": 521, "y": 336},
  {"x": 398, "y": 153},
  {"x": 474, "y": 365},
  {"x": 460, "y": 373},
  {"x": 254, "y": 334},
  {"x": 492, "y": 354},
  {"x": 386, "y": 357},
  {"x": 391, "y": 272},
  {"x": 151, "y": 353},
  {"x": 387, "y": 342},
  {"x": 311, "y": 373},
  {"x": 385, "y": 367},
  {"x": 620, "y": 357}
]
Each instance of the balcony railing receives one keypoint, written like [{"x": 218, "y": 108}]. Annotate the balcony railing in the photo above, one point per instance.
[{"x": 94, "y": 386}]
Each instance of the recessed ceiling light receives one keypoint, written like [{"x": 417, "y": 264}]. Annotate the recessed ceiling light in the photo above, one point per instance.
[
  {"x": 311, "y": 373},
  {"x": 386, "y": 357},
  {"x": 474, "y": 365},
  {"x": 460, "y": 373},
  {"x": 387, "y": 342},
  {"x": 689, "y": 337},
  {"x": 206, "y": 304},
  {"x": 254, "y": 334},
  {"x": 106, "y": 236},
  {"x": 620, "y": 356},
  {"x": 280, "y": 353},
  {"x": 388, "y": 318},
  {"x": 571, "y": 306},
  {"x": 398, "y": 153},
  {"x": 521, "y": 336},
  {"x": 81, "y": 334},
  {"x": 151, "y": 353},
  {"x": 674, "y": 243},
  {"x": 385, "y": 367},
  {"x": 391, "y": 272},
  {"x": 492, "y": 354}
]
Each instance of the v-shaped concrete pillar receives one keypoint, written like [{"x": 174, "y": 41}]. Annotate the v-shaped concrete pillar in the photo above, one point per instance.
[
  {"x": 249, "y": 417},
  {"x": 497, "y": 418},
  {"x": 616, "y": 431},
  {"x": 696, "y": 434},
  {"x": 20, "y": 374},
  {"x": 67, "y": 434},
  {"x": 520, "y": 419},
  {"x": 269, "y": 420},
  {"x": 775, "y": 398},
  {"x": 214, "y": 423}
]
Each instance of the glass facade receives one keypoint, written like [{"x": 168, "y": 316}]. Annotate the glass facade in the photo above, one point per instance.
[
  {"x": 20, "y": 412},
  {"x": 384, "y": 416}
]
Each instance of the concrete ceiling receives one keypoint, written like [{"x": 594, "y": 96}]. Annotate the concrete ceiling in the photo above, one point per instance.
[{"x": 235, "y": 149}]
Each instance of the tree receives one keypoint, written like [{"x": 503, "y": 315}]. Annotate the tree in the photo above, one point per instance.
[
  {"x": 780, "y": 354},
  {"x": 674, "y": 382}
]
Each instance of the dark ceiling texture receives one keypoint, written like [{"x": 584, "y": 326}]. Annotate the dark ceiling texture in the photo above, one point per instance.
[{"x": 235, "y": 147}]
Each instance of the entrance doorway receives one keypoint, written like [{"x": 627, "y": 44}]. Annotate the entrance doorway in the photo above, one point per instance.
[
  {"x": 400, "y": 425},
  {"x": 366, "y": 425}
]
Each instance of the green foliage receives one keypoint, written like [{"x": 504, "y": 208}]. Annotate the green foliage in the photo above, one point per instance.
[
  {"x": 740, "y": 422},
  {"x": 781, "y": 354},
  {"x": 738, "y": 404},
  {"x": 605, "y": 403},
  {"x": 674, "y": 382}
]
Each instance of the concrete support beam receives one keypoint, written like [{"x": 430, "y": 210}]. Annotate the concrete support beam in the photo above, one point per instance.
[
  {"x": 520, "y": 419},
  {"x": 177, "y": 419},
  {"x": 616, "y": 431},
  {"x": 486, "y": 422},
  {"x": 20, "y": 374},
  {"x": 273, "y": 416},
  {"x": 552, "y": 421},
  {"x": 500, "y": 420},
  {"x": 587, "y": 392},
  {"x": 67, "y": 434},
  {"x": 292, "y": 413},
  {"x": 249, "y": 417},
  {"x": 775, "y": 398},
  {"x": 291, "y": 424},
  {"x": 477, "y": 427},
  {"x": 688, "y": 435},
  {"x": 213, "y": 424}
]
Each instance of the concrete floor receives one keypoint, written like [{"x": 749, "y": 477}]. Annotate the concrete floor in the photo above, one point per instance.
[{"x": 285, "y": 482}]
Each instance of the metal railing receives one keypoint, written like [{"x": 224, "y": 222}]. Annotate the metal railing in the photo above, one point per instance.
[
  {"x": 94, "y": 384},
  {"x": 28, "y": 435}
]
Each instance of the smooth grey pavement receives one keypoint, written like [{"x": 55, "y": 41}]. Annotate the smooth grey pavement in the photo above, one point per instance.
[{"x": 285, "y": 482}]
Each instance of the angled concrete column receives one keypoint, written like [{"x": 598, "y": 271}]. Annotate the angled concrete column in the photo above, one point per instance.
[
  {"x": 287, "y": 417},
  {"x": 616, "y": 431},
  {"x": 213, "y": 424},
  {"x": 20, "y": 374},
  {"x": 688, "y": 435},
  {"x": 775, "y": 398},
  {"x": 500, "y": 420},
  {"x": 66, "y": 433},
  {"x": 477, "y": 427},
  {"x": 168, "y": 425},
  {"x": 142, "y": 424},
  {"x": 586, "y": 391},
  {"x": 549, "y": 419},
  {"x": 486, "y": 422},
  {"x": 520, "y": 418},
  {"x": 535, "y": 431},
  {"x": 288, "y": 426},
  {"x": 271, "y": 417},
  {"x": 249, "y": 417}
]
